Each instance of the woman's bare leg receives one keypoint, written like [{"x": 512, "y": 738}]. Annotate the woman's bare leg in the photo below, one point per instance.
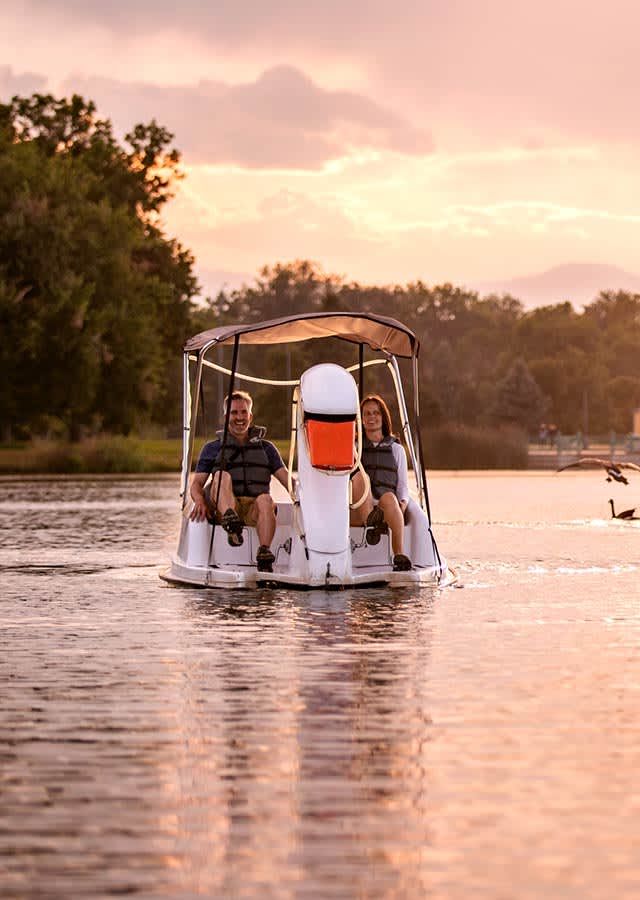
[
  {"x": 359, "y": 515},
  {"x": 394, "y": 518}
]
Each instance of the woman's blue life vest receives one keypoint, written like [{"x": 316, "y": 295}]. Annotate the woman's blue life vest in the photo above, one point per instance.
[
  {"x": 380, "y": 465},
  {"x": 247, "y": 464}
]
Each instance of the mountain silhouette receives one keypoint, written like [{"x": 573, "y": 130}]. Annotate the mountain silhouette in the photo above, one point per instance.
[{"x": 579, "y": 283}]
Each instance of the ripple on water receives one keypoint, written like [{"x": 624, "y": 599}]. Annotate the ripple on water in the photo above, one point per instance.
[{"x": 166, "y": 741}]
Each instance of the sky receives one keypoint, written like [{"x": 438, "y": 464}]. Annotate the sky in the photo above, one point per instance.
[{"x": 442, "y": 140}]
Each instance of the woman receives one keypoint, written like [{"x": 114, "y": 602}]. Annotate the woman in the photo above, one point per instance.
[{"x": 385, "y": 462}]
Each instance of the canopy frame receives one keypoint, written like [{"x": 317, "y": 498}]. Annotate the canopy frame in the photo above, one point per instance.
[{"x": 381, "y": 334}]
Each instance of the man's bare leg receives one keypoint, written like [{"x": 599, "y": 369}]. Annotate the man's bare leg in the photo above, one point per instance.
[
  {"x": 263, "y": 516},
  {"x": 226, "y": 498}
]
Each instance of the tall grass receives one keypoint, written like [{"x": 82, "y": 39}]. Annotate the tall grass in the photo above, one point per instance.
[
  {"x": 453, "y": 446},
  {"x": 104, "y": 455},
  {"x": 446, "y": 447}
]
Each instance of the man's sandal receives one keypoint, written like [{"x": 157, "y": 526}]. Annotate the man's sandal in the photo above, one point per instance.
[{"x": 265, "y": 559}]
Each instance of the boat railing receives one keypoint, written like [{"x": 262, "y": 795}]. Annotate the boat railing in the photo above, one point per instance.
[{"x": 190, "y": 400}]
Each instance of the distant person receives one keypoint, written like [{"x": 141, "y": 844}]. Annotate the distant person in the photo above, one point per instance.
[
  {"x": 385, "y": 462},
  {"x": 553, "y": 434},
  {"x": 542, "y": 434},
  {"x": 239, "y": 493}
]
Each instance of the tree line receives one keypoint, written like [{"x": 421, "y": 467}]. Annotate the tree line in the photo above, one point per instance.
[
  {"x": 485, "y": 361},
  {"x": 96, "y": 302}
]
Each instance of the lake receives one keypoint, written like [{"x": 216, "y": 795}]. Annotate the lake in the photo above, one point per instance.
[{"x": 479, "y": 741}]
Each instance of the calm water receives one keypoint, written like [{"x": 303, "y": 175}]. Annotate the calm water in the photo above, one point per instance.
[{"x": 476, "y": 742}]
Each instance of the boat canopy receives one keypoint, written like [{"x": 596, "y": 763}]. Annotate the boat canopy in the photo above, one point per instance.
[{"x": 379, "y": 332}]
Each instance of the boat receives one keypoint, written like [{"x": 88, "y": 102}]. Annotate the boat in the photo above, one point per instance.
[{"x": 314, "y": 545}]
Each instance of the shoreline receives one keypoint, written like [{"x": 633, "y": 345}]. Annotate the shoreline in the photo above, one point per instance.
[{"x": 150, "y": 458}]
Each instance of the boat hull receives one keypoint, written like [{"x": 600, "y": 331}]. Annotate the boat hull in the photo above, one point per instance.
[
  {"x": 205, "y": 559},
  {"x": 227, "y": 578},
  {"x": 315, "y": 544}
]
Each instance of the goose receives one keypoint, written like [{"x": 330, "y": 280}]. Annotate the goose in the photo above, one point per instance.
[
  {"x": 625, "y": 514},
  {"x": 613, "y": 470}
]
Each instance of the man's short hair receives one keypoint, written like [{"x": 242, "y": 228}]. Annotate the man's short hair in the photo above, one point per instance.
[{"x": 239, "y": 395}]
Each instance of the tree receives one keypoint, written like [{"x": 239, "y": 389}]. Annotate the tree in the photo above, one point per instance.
[
  {"x": 141, "y": 176},
  {"x": 573, "y": 381},
  {"x": 548, "y": 330},
  {"x": 470, "y": 345},
  {"x": 446, "y": 380},
  {"x": 518, "y": 399},
  {"x": 96, "y": 298},
  {"x": 623, "y": 396}
]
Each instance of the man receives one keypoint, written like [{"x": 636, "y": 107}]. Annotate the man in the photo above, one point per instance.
[{"x": 242, "y": 487}]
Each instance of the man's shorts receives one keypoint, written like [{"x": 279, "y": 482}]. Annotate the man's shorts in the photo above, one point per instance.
[{"x": 243, "y": 506}]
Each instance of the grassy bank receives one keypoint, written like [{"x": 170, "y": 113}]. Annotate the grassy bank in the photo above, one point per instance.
[
  {"x": 106, "y": 455},
  {"x": 455, "y": 446},
  {"x": 447, "y": 447},
  {"x": 117, "y": 455}
]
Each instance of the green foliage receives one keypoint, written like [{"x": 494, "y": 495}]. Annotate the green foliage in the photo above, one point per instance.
[
  {"x": 108, "y": 455},
  {"x": 94, "y": 300},
  {"x": 469, "y": 347},
  {"x": 457, "y": 446},
  {"x": 115, "y": 454},
  {"x": 553, "y": 329},
  {"x": 518, "y": 399},
  {"x": 55, "y": 458},
  {"x": 623, "y": 396}
]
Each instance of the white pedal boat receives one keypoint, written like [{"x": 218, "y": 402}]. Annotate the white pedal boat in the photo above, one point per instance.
[{"x": 314, "y": 545}]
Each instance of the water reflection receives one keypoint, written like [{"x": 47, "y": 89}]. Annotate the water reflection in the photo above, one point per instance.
[
  {"x": 165, "y": 741},
  {"x": 305, "y": 767}
]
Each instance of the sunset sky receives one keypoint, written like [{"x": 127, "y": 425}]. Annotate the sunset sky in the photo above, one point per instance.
[{"x": 451, "y": 140}]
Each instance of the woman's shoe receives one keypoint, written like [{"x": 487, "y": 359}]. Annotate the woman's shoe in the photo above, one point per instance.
[
  {"x": 375, "y": 526},
  {"x": 401, "y": 563}
]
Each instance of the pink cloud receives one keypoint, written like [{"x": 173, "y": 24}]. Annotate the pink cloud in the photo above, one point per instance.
[
  {"x": 281, "y": 120},
  {"x": 24, "y": 83},
  {"x": 532, "y": 108},
  {"x": 470, "y": 73}
]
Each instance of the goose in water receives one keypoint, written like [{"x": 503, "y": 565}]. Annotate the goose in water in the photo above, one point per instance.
[
  {"x": 625, "y": 514},
  {"x": 613, "y": 470}
]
